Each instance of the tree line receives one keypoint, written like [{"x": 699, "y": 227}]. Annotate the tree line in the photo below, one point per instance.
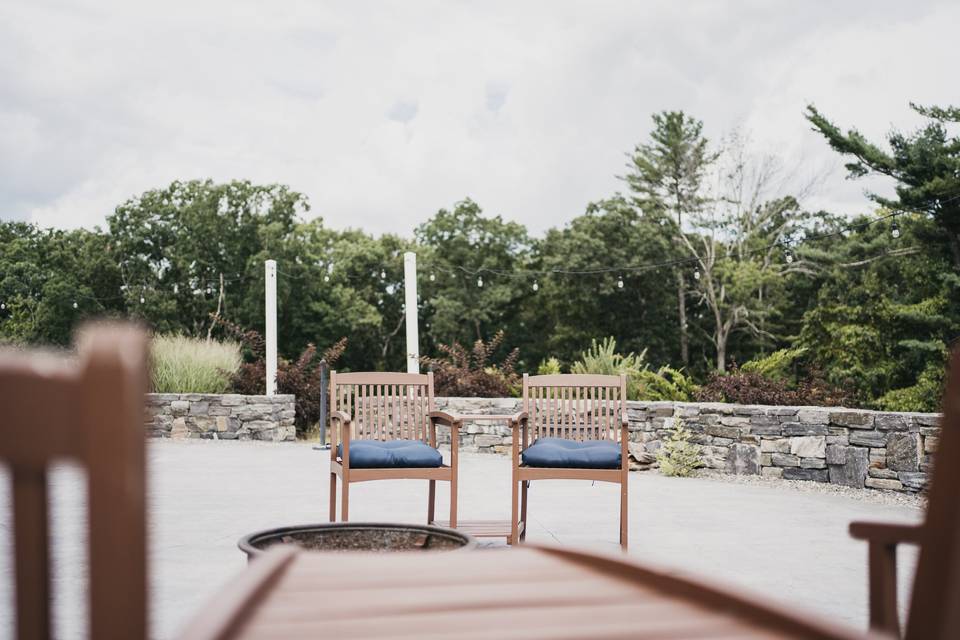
[{"x": 707, "y": 259}]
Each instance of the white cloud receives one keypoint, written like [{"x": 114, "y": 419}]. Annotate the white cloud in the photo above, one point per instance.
[{"x": 383, "y": 113}]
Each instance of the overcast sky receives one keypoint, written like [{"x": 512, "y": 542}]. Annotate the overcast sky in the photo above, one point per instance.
[{"x": 383, "y": 113}]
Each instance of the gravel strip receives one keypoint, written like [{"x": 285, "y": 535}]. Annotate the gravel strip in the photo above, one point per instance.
[{"x": 874, "y": 496}]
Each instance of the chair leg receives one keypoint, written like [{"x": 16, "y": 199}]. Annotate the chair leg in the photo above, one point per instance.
[
  {"x": 345, "y": 501},
  {"x": 524, "y": 485},
  {"x": 623, "y": 513},
  {"x": 514, "y": 515},
  {"x": 431, "y": 500},
  {"x": 453, "y": 501},
  {"x": 333, "y": 497}
]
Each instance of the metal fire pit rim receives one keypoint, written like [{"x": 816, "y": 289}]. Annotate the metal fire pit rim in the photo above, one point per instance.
[{"x": 245, "y": 543}]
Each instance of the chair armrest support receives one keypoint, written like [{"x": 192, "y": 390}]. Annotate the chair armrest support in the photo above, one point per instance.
[{"x": 882, "y": 539}]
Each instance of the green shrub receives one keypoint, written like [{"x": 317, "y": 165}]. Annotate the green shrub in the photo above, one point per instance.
[
  {"x": 923, "y": 396},
  {"x": 549, "y": 367},
  {"x": 666, "y": 383},
  {"x": 179, "y": 364},
  {"x": 779, "y": 365},
  {"x": 678, "y": 456},
  {"x": 602, "y": 358}
]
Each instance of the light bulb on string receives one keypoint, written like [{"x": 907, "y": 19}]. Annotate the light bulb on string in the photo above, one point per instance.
[
  {"x": 620, "y": 282},
  {"x": 176, "y": 288},
  {"x": 696, "y": 274},
  {"x": 536, "y": 285},
  {"x": 895, "y": 230},
  {"x": 383, "y": 274},
  {"x": 326, "y": 278},
  {"x": 3, "y": 306},
  {"x": 433, "y": 277},
  {"x": 142, "y": 300},
  {"x": 390, "y": 289},
  {"x": 75, "y": 305},
  {"x": 480, "y": 281},
  {"x": 789, "y": 258}
]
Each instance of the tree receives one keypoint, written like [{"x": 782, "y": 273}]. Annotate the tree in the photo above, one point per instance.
[
  {"x": 666, "y": 176},
  {"x": 474, "y": 260},
  {"x": 885, "y": 314},
  {"x": 576, "y": 304},
  {"x": 925, "y": 165},
  {"x": 175, "y": 243}
]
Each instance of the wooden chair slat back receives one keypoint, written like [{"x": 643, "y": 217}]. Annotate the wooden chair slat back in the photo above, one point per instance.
[
  {"x": 935, "y": 604},
  {"x": 384, "y": 406},
  {"x": 91, "y": 411},
  {"x": 575, "y": 406}
]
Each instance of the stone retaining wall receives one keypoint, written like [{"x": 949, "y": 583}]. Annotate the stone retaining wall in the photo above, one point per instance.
[
  {"x": 226, "y": 416},
  {"x": 851, "y": 447}
]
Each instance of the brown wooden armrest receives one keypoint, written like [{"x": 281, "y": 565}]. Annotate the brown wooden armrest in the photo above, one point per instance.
[
  {"x": 512, "y": 418},
  {"x": 886, "y": 533},
  {"x": 883, "y": 539},
  {"x": 340, "y": 415},
  {"x": 444, "y": 418}
]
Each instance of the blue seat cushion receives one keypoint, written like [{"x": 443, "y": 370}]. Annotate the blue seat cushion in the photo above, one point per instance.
[
  {"x": 561, "y": 453},
  {"x": 374, "y": 454}
]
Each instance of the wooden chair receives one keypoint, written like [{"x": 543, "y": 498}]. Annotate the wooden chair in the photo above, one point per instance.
[
  {"x": 390, "y": 419},
  {"x": 89, "y": 411},
  {"x": 579, "y": 429},
  {"x": 935, "y": 602}
]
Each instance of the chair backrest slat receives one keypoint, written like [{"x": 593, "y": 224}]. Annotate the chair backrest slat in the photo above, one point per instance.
[
  {"x": 89, "y": 411},
  {"x": 384, "y": 406},
  {"x": 575, "y": 406}
]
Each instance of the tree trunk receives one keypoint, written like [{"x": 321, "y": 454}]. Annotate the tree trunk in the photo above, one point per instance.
[
  {"x": 721, "y": 353},
  {"x": 682, "y": 311}
]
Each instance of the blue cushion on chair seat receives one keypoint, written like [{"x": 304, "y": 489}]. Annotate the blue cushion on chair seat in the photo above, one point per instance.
[
  {"x": 375, "y": 454},
  {"x": 560, "y": 453}
]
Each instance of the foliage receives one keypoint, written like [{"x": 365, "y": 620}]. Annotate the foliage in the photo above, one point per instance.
[
  {"x": 602, "y": 358},
  {"x": 666, "y": 383},
  {"x": 779, "y": 365},
  {"x": 678, "y": 456},
  {"x": 925, "y": 165},
  {"x": 301, "y": 377},
  {"x": 750, "y": 387},
  {"x": 923, "y": 396},
  {"x": 179, "y": 364},
  {"x": 549, "y": 367},
  {"x": 462, "y": 372}
]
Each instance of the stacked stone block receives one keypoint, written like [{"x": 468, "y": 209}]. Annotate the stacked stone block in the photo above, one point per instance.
[
  {"x": 221, "y": 417},
  {"x": 850, "y": 447}
]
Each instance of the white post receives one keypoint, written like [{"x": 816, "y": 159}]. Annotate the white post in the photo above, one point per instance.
[
  {"x": 271, "y": 307},
  {"x": 410, "y": 301}
]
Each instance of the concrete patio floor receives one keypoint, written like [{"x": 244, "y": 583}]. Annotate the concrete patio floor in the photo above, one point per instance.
[{"x": 787, "y": 544}]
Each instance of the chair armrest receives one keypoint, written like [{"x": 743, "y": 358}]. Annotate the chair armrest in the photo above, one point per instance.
[
  {"x": 341, "y": 416},
  {"x": 886, "y": 533},
  {"x": 882, "y": 539},
  {"x": 444, "y": 418}
]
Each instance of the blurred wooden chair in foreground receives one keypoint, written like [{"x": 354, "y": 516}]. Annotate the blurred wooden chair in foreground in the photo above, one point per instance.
[{"x": 89, "y": 411}]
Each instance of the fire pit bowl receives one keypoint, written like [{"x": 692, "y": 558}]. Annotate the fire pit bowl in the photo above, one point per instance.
[{"x": 358, "y": 536}]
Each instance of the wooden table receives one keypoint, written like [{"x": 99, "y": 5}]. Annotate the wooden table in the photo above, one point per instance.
[
  {"x": 482, "y": 528},
  {"x": 527, "y": 592}
]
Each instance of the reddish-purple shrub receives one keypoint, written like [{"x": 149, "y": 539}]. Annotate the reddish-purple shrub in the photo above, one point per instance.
[
  {"x": 460, "y": 372},
  {"x": 745, "y": 387}
]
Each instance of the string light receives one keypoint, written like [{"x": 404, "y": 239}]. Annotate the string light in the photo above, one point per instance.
[
  {"x": 3, "y": 306},
  {"x": 75, "y": 305},
  {"x": 383, "y": 274},
  {"x": 142, "y": 300},
  {"x": 696, "y": 274},
  {"x": 536, "y": 285},
  {"x": 176, "y": 288},
  {"x": 390, "y": 289},
  {"x": 480, "y": 281},
  {"x": 895, "y": 230},
  {"x": 433, "y": 277},
  {"x": 789, "y": 258},
  {"x": 620, "y": 283}
]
